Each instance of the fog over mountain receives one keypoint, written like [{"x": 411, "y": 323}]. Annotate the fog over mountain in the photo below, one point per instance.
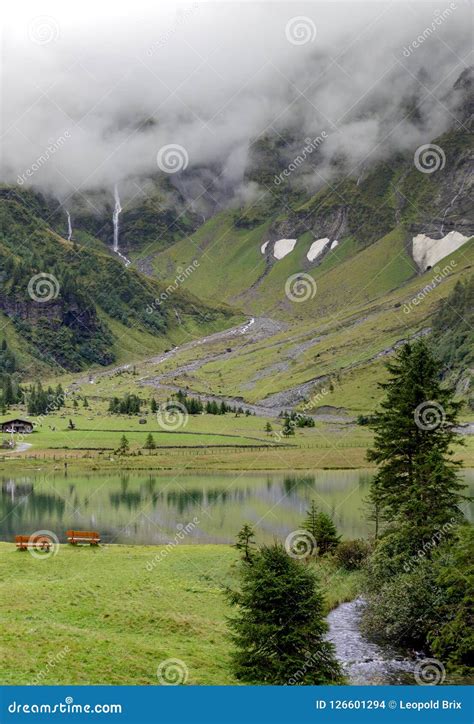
[{"x": 108, "y": 93}]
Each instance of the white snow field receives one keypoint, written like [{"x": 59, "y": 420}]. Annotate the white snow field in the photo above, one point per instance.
[
  {"x": 283, "y": 247},
  {"x": 427, "y": 252},
  {"x": 264, "y": 246},
  {"x": 317, "y": 248}
]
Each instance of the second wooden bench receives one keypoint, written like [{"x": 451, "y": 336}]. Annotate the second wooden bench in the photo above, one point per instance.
[{"x": 83, "y": 536}]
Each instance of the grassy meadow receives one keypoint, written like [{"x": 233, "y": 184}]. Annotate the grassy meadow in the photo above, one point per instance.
[
  {"x": 103, "y": 616},
  {"x": 205, "y": 442}
]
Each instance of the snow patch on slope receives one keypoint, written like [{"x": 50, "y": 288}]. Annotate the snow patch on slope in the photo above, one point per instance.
[
  {"x": 334, "y": 244},
  {"x": 317, "y": 248},
  {"x": 264, "y": 246},
  {"x": 283, "y": 247},
  {"x": 427, "y": 252}
]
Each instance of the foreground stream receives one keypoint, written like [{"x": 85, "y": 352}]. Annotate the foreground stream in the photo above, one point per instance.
[{"x": 365, "y": 662}]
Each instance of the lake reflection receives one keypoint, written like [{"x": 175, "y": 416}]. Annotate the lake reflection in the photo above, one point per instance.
[{"x": 152, "y": 508}]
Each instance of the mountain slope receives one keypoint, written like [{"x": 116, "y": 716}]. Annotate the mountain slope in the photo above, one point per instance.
[{"x": 59, "y": 296}]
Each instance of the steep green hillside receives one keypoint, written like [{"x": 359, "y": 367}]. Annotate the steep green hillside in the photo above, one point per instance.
[
  {"x": 60, "y": 298},
  {"x": 453, "y": 332},
  {"x": 333, "y": 353}
]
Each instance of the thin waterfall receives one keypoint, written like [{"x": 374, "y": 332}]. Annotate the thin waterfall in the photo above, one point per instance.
[
  {"x": 69, "y": 226},
  {"x": 115, "y": 218}
]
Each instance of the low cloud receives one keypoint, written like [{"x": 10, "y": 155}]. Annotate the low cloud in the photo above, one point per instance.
[{"x": 125, "y": 80}]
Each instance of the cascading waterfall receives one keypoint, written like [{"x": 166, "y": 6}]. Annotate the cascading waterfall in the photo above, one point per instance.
[
  {"x": 69, "y": 226},
  {"x": 115, "y": 218}
]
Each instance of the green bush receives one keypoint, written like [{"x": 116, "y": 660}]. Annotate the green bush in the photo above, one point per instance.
[
  {"x": 401, "y": 611},
  {"x": 352, "y": 554},
  {"x": 451, "y": 636}
]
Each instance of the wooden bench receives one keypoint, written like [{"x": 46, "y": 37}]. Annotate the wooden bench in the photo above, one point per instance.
[
  {"x": 40, "y": 542},
  {"x": 83, "y": 536}
]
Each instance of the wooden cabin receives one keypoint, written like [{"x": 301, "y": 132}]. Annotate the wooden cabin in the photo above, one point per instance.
[{"x": 17, "y": 425}]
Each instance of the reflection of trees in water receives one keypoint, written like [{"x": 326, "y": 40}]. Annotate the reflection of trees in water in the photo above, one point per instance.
[
  {"x": 16, "y": 491},
  {"x": 182, "y": 500},
  {"x": 294, "y": 483},
  {"x": 27, "y": 506},
  {"x": 130, "y": 500}
]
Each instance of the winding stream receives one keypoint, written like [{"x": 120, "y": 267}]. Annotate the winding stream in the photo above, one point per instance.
[{"x": 364, "y": 662}]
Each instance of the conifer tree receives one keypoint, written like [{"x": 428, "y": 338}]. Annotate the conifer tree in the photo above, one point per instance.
[
  {"x": 280, "y": 628},
  {"x": 310, "y": 521},
  {"x": 246, "y": 542},
  {"x": 149, "y": 442},
  {"x": 124, "y": 446},
  {"x": 416, "y": 487}
]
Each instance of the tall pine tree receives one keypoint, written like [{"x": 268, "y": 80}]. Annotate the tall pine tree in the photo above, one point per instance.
[
  {"x": 280, "y": 629},
  {"x": 416, "y": 487}
]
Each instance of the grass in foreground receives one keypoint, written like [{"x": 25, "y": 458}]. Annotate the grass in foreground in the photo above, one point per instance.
[{"x": 99, "y": 616}]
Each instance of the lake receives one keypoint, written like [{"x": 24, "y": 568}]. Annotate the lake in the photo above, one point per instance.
[{"x": 145, "y": 508}]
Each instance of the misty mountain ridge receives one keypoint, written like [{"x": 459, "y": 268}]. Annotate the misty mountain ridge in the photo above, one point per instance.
[{"x": 353, "y": 205}]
